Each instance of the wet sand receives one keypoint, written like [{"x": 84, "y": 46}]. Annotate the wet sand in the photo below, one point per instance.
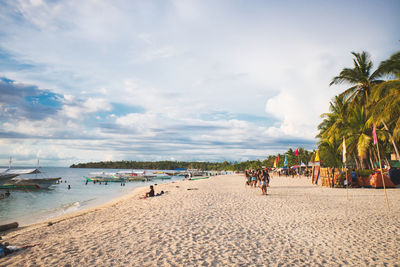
[{"x": 221, "y": 222}]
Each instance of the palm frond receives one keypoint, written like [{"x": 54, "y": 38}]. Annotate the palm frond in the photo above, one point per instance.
[{"x": 362, "y": 145}]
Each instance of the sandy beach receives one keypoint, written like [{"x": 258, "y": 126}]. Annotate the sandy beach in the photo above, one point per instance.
[{"x": 221, "y": 222}]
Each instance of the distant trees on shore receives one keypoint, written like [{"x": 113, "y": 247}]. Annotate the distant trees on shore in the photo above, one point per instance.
[
  {"x": 304, "y": 156},
  {"x": 373, "y": 98}
]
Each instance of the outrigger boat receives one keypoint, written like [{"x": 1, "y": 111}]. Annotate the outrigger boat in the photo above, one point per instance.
[
  {"x": 126, "y": 176},
  {"x": 199, "y": 178},
  {"x": 35, "y": 183},
  {"x": 143, "y": 176},
  {"x": 8, "y": 179},
  {"x": 105, "y": 177},
  {"x": 7, "y": 174}
]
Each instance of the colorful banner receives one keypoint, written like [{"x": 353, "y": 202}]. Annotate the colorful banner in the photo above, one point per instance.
[
  {"x": 316, "y": 159},
  {"x": 374, "y": 135}
]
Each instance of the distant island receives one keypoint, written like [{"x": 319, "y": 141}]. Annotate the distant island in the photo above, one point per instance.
[
  {"x": 165, "y": 165},
  {"x": 303, "y": 156}
]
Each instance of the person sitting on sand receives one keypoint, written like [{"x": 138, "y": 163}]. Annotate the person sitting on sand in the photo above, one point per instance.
[
  {"x": 148, "y": 194},
  {"x": 151, "y": 192}
]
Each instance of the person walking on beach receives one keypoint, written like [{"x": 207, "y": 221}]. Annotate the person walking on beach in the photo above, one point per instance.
[
  {"x": 266, "y": 182},
  {"x": 247, "y": 177},
  {"x": 253, "y": 179},
  {"x": 263, "y": 185}
]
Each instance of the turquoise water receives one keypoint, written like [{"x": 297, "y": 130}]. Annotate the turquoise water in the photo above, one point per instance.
[{"x": 30, "y": 206}]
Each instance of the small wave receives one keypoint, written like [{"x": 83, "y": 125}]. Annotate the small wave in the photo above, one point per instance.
[
  {"x": 86, "y": 202},
  {"x": 69, "y": 207}
]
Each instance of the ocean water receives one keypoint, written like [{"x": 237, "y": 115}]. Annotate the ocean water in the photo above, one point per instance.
[{"x": 30, "y": 206}]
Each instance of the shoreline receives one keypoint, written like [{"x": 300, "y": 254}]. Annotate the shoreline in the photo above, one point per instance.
[
  {"x": 30, "y": 206},
  {"x": 221, "y": 222},
  {"x": 82, "y": 212}
]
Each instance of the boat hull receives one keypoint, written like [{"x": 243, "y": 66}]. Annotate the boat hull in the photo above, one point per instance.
[
  {"x": 105, "y": 179},
  {"x": 30, "y": 183},
  {"x": 199, "y": 178}
]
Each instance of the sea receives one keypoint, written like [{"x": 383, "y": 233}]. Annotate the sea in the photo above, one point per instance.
[{"x": 29, "y": 206}]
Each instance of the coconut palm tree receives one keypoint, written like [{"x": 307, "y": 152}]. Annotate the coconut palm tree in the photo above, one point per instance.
[
  {"x": 360, "y": 77},
  {"x": 385, "y": 110},
  {"x": 391, "y": 66},
  {"x": 385, "y": 102},
  {"x": 369, "y": 100},
  {"x": 335, "y": 119}
]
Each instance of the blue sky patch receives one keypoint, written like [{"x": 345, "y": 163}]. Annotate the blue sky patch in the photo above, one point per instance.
[
  {"x": 45, "y": 98},
  {"x": 4, "y": 79},
  {"x": 8, "y": 62}
]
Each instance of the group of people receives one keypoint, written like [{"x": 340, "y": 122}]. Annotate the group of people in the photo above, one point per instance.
[
  {"x": 258, "y": 178},
  {"x": 6, "y": 194},
  {"x": 293, "y": 172}
]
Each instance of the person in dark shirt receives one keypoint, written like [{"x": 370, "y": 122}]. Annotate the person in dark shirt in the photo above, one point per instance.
[{"x": 151, "y": 192}]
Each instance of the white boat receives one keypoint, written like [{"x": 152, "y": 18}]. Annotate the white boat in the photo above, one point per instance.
[
  {"x": 7, "y": 174},
  {"x": 8, "y": 179},
  {"x": 32, "y": 183}
]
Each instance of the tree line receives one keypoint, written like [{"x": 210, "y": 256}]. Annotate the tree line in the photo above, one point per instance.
[
  {"x": 373, "y": 98},
  {"x": 303, "y": 156}
]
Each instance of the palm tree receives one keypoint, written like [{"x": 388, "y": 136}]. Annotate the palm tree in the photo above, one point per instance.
[
  {"x": 352, "y": 113},
  {"x": 391, "y": 66},
  {"x": 358, "y": 134},
  {"x": 385, "y": 104},
  {"x": 335, "y": 119},
  {"x": 360, "y": 77},
  {"x": 385, "y": 110}
]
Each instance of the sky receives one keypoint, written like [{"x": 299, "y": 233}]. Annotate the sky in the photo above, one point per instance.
[{"x": 184, "y": 80}]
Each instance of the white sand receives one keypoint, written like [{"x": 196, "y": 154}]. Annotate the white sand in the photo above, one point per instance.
[{"x": 223, "y": 223}]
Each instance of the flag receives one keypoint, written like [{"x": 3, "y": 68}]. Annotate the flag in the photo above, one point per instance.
[
  {"x": 316, "y": 159},
  {"x": 374, "y": 135},
  {"x": 275, "y": 163},
  {"x": 296, "y": 153},
  {"x": 285, "y": 162},
  {"x": 344, "y": 150}
]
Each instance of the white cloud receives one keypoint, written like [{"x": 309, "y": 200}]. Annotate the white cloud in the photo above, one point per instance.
[{"x": 75, "y": 109}]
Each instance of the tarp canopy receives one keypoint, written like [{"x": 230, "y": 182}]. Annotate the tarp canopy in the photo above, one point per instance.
[
  {"x": 376, "y": 181},
  {"x": 298, "y": 166}
]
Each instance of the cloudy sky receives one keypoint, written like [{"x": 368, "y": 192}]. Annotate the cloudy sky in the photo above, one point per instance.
[{"x": 176, "y": 80}]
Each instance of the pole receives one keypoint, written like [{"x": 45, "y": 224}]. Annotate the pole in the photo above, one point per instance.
[
  {"x": 383, "y": 181},
  {"x": 312, "y": 174},
  {"x": 347, "y": 181}
]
